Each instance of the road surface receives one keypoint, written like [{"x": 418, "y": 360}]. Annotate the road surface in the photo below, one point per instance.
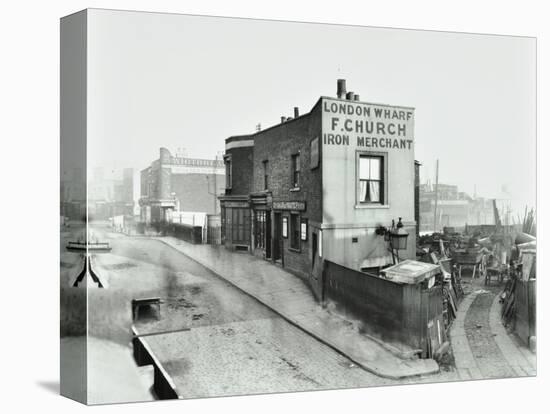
[{"x": 219, "y": 341}]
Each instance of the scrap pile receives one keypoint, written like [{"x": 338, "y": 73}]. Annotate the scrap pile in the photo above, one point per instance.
[
  {"x": 485, "y": 250},
  {"x": 436, "y": 248}
]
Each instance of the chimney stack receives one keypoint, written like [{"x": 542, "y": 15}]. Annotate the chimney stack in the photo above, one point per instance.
[
  {"x": 341, "y": 88},
  {"x": 349, "y": 96},
  {"x": 355, "y": 97},
  {"x": 296, "y": 112}
]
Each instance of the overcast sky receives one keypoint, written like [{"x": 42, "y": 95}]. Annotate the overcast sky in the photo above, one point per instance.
[{"x": 190, "y": 82}]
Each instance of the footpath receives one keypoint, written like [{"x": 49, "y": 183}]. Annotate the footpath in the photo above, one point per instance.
[
  {"x": 289, "y": 297},
  {"x": 481, "y": 346}
]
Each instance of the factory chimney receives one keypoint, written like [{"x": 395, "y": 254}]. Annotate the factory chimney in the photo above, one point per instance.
[{"x": 341, "y": 88}]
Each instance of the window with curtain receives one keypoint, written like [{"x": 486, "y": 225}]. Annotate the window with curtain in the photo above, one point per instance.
[{"x": 371, "y": 179}]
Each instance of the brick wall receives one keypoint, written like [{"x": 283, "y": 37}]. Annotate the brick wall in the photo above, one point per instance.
[
  {"x": 277, "y": 145},
  {"x": 242, "y": 162}
]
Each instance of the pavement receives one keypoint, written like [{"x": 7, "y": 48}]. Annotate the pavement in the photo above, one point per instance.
[
  {"x": 291, "y": 298},
  {"x": 482, "y": 347}
]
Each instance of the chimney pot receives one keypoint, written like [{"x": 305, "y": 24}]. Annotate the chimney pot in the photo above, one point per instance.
[
  {"x": 296, "y": 112},
  {"x": 341, "y": 88},
  {"x": 283, "y": 119},
  {"x": 355, "y": 97}
]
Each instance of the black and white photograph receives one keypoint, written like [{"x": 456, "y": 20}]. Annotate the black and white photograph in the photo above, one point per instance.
[{"x": 254, "y": 206}]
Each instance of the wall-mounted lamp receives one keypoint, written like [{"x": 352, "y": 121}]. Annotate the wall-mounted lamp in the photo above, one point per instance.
[{"x": 396, "y": 235}]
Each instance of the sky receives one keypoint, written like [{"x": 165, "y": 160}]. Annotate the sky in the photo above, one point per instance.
[{"x": 180, "y": 81}]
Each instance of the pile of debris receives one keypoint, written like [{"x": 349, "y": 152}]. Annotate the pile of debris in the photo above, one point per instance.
[{"x": 506, "y": 253}]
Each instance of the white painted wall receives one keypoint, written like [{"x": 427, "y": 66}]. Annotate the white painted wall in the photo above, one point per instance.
[{"x": 343, "y": 217}]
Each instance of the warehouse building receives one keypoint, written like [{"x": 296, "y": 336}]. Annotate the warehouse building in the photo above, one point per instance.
[
  {"x": 176, "y": 183},
  {"x": 324, "y": 186}
]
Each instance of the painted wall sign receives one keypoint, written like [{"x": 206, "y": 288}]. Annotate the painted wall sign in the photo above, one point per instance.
[
  {"x": 367, "y": 126},
  {"x": 183, "y": 169},
  {"x": 236, "y": 204},
  {"x": 289, "y": 205}
]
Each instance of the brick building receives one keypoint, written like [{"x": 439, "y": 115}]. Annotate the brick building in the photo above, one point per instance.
[
  {"x": 319, "y": 186},
  {"x": 173, "y": 183}
]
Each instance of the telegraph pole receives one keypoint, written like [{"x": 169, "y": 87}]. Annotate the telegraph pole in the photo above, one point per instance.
[
  {"x": 436, "y": 191},
  {"x": 215, "y": 182}
]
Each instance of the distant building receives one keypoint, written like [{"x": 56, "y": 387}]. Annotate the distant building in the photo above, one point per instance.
[
  {"x": 103, "y": 197},
  {"x": 454, "y": 208},
  {"x": 173, "y": 183},
  {"x": 111, "y": 195}
]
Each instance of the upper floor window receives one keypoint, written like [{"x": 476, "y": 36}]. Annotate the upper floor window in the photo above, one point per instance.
[
  {"x": 296, "y": 170},
  {"x": 266, "y": 177},
  {"x": 371, "y": 179},
  {"x": 228, "y": 172}
]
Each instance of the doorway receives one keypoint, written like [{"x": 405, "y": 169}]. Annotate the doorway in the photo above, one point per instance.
[
  {"x": 277, "y": 237},
  {"x": 268, "y": 235}
]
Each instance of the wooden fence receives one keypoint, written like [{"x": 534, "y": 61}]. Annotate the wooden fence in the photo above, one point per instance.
[
  {"x": 403, "y": 315},
  {"x": 526, "y": 309}
]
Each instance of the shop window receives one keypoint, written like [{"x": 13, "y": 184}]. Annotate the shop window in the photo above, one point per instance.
[
  {"x": 296, "y": 170},
  {"x": 240, "y": 225},
  {"x": 295, "y": 231},
  {"x": 259, "y": 229},
  {"x": 371, "y": 183}
]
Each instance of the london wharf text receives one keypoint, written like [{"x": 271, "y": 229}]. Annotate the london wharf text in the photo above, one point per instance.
[{"x": 390, "y": 134}]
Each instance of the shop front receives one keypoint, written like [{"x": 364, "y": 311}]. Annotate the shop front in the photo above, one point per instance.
[{"x": 236, "y": 222}]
